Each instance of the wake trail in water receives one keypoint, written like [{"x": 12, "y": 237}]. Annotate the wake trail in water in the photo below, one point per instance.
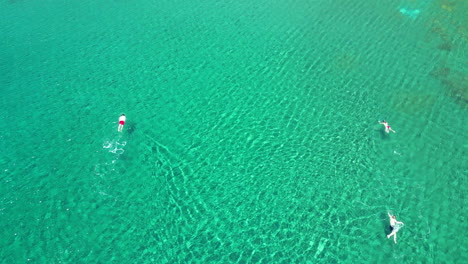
[
  {"x": 115, "y": 146},
  {"x": 104, "y": 169}
]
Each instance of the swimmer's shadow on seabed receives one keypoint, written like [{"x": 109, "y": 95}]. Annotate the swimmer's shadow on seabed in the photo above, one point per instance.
[
  {"x": 131, "y": 128},
  {"x": 386, "y": 224},
  {"x": 383, "y": 135}
]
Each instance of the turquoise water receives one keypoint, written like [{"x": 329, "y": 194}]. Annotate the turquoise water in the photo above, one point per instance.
[{"x": 251, "y": 132}]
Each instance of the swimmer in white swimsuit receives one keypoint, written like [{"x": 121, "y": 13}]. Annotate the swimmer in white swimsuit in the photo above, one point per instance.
[
  {"x": 121, "y": 122},
  {"x": 393, "y": 222}
]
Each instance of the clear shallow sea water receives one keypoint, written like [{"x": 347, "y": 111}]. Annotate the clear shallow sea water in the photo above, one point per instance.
[{"x": 251, "y": 133}]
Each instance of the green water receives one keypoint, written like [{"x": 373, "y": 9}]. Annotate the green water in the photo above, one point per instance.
[{"x": 251, "y": 132}]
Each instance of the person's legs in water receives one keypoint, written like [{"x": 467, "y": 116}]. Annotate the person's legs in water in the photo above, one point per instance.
[
  {"x": 121, "y": 125},
  {"x": 394, "y": 236}
]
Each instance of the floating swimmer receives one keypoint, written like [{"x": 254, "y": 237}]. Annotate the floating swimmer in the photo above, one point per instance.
[
  {"x": 121, "y": 122},
  {"x": 394, "y": 226},
  {"x": 387, "y": 127}
]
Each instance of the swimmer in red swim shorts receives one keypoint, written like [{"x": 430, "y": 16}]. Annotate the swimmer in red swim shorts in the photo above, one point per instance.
[
  {"x": 387, "y": 127},
  {"x": 121, "y": 122}
]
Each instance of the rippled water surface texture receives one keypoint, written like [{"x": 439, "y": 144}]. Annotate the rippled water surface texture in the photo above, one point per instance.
[{"x": 251, "y": 133}]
